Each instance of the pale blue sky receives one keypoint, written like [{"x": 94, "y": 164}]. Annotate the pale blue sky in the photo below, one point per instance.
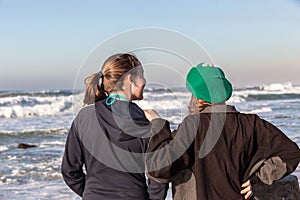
[{"x": 43, "y": 43}]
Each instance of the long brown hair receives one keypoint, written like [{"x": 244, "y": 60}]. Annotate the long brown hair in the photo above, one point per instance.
[
  {"x": 197, "y": 105},
  {"x": 112, "y": 74}
]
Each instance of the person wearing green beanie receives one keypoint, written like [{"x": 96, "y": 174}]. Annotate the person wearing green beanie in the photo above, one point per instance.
[
  {"x": 208, "y": 83},
  {"x": 217, "y": 152}
]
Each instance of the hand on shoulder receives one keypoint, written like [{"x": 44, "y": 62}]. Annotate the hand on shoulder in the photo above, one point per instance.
[{"x": 151, "y": 114}]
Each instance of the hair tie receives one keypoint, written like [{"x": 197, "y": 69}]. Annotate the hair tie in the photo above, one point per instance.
[
  {"x": 113, "y": 97},
  {"x": 100, "y": 74}
]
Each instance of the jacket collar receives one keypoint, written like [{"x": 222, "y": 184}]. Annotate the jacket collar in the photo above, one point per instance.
[{"x": 219, "y": 109}]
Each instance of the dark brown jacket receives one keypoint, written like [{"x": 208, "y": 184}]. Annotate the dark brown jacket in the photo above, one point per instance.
[{"x": 212, "y": 153}]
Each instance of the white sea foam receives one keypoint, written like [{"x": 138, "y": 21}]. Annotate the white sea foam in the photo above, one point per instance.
[
  {"x": 162, "y": 105},
  {"x": 3, "y": 148},
  {"x": 173, "y": 94},
  {"x": 35, "y": 131},
  {"x": 281, "y": 87},
  {"x": 165, "y": 101},
  {"x": 28, "y": 106},
  {"x": 261, "y": 110},
  {"x": 37, "y": 190},
  {"x": 12, "y": 157},
  {"x": 18, "y": 172},
  {"x": 52, "y": 143},
  {"x": 176, "y": 119},
  {"x": 235, "y": 99},
  {"x": 274, "y": 88}
]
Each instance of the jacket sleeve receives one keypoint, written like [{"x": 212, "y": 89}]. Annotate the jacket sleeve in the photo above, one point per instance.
[
  {"x": 167, "y": 151},
  {"x": 281, "y": 155},
  {"x": 157, "y": 191},
  {"x": 72, "y": 162}
]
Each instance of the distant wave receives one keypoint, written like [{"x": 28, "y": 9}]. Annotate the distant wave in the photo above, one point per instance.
[
  {"x": 261, "y": 110},
  {"x": 274, "y": 91},
  {"x": 28, "y": 107},
  {"x": 157, "y": 90},
  {"x": 165, "y": 89},
  {"x": 281, "y": 87},
  {"x": 38, "y": 93},
  {"x": 22, "y": 104},
  {"x": 36, "y": 131},
  {"x": 32, "y": 104}
]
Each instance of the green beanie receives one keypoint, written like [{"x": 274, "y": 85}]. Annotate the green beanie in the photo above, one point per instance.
[{"x": 209, "y": 84}]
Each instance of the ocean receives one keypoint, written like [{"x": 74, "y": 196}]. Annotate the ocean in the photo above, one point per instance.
[{"x": 43, "y": 118}]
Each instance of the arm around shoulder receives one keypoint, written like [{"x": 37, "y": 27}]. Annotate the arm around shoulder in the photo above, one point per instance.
[{"x": 167, "y": 150}]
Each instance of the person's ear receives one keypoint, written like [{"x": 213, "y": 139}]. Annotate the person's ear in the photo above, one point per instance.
[
  {"x": 132, "y": 83},
  {"x": 129, "y": 78}
]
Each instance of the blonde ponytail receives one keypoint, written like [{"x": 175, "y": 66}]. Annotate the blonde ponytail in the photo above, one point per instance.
[{"x": 93, "y": 91}]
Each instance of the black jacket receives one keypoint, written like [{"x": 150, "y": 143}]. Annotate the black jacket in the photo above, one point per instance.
[
  {"x": 213, "y": 153},
  {"x": 109, "y": 141}
]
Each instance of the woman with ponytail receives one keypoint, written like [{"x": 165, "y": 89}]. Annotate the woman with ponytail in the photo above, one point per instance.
[{"x": 109, "y": 136}]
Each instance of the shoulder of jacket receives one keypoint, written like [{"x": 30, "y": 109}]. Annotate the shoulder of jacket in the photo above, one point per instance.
[
  {"x": 85, "y": 112},
  {"x": 195, "y": 118},
  {"x": 250, "y": 115}
]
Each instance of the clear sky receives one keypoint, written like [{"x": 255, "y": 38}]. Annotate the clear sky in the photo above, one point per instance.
[{"x": 44, "y": 43}]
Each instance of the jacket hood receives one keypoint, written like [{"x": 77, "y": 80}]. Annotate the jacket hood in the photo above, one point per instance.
[{"x": 122, "y": 121}]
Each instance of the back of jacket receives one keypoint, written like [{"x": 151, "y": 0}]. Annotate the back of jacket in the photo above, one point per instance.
[
  {"x": 217, "y": 151},
  {"x": 110, "y": 142}
]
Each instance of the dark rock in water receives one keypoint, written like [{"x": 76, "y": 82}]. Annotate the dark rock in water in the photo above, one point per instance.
[{"x": 25, "y": 146}]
